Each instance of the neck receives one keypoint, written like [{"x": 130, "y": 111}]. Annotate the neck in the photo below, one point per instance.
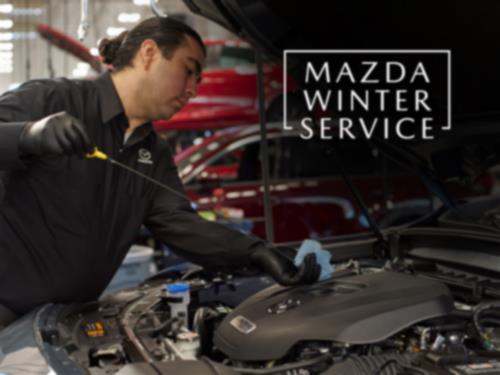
[{"x": 128, "y": 93}]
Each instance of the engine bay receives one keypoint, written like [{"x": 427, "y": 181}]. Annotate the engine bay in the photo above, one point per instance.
[{"x": 364, "y": 320}]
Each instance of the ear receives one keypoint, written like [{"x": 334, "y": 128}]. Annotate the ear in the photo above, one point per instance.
[{"x": 147, "y": 53}]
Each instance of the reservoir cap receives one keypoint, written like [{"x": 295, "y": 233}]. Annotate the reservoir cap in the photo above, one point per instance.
[{"x": 177, "y": 288}]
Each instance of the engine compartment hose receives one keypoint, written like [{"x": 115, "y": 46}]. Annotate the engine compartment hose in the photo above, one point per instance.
[{"x": 284, "y": 368}]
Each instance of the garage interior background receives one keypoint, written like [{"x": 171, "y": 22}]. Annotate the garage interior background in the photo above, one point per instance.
[{"x": 25, "y": 55}]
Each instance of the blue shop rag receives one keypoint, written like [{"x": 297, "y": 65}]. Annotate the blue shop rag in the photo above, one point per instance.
[{"x": 322, "y": 257}]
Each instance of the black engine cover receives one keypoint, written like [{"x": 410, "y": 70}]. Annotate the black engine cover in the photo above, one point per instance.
[{"x": 356, "y": 310}]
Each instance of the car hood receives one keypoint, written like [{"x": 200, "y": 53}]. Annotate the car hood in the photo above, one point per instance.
[
  {"x": 466, "y": 28},
  {"x": 469, "y": 30}
]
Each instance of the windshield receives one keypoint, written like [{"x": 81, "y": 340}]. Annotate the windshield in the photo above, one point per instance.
[{"x": 223, "y": 57}]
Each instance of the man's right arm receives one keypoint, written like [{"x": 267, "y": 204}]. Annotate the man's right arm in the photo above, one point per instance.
[
  {"x": 29, "y": 128},
  {"x": 17, "y": 108}
]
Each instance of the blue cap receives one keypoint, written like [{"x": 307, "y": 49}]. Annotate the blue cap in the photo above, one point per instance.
[{"x": 177, "y": 288}]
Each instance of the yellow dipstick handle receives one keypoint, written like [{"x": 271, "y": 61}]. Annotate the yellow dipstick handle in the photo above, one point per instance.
[{"x": 96, "y": 154}]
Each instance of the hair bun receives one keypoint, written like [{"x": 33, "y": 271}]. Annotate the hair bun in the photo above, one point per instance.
[{"x": 109, "y": 47}]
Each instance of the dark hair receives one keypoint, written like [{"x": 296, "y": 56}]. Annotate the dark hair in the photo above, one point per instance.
[{"x": 168, "y": 33}]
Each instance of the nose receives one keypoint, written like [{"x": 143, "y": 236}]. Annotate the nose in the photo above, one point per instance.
[{"x": 192, "y": 88}]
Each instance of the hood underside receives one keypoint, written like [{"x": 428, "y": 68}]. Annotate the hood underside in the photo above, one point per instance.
[{"x": 469, "y": 30}]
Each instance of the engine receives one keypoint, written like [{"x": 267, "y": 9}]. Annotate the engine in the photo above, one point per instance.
[
  {"x": 375, "y": 322},
  {"x": 356, "y": 310}
]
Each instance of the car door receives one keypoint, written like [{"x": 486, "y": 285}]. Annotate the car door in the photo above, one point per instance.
[
  {"x": 228, "y": 186},
  {"x": 312, "y": 198}
]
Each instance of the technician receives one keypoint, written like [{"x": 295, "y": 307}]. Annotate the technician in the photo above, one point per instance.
[{"x": 67, "y": 222}]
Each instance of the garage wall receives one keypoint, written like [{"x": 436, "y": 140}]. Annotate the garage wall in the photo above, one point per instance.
[{"x": 30, "y": 52}]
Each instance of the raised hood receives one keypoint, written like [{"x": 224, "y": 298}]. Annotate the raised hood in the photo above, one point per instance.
[{"x": 468, "y": 29}]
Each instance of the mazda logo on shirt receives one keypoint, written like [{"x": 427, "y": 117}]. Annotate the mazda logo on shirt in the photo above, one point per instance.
[{"x": 144, "y": 156}]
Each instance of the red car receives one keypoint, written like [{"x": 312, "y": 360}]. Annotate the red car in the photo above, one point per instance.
[{"x": 309, "y": 197}]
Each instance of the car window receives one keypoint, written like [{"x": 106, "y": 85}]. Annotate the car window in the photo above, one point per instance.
[
  {"x": 293, "y": 157},
  {"x": 212, "y": 59},
  {"x": 231, "y": 57},
  {"x": 227, "y": 159},
  {"x": 246, "y": 160},
  {"x": 223, "y": 57},
  {"x": 323, "y": 158},
  {"x": 279, "y": 151}
]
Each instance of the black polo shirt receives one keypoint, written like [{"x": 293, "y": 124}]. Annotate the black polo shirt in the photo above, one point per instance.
[{"x": 66, "y": 223}]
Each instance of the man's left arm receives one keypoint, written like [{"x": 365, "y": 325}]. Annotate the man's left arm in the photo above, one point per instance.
[{"x": 174, "y": 222}]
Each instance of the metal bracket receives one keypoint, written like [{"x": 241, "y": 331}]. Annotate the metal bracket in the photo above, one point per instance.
[
  {"x": 156, "y": 10},
  {"x": 84, "y": 25}
]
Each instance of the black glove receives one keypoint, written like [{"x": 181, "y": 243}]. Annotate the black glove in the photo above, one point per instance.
[
  {"x": 56, "y": 134},
  {"x": 278, "y": 263}
]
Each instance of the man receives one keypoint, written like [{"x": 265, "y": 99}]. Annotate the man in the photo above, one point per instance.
[{"x": 66, "y": 222}]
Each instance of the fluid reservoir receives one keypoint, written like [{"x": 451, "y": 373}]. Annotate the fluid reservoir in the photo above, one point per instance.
[{"x": 179, "y": 298}]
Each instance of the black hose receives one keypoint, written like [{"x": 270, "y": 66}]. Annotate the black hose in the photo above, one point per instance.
[
  {"x": 157, "y": 328},
  {"x": 449, "y": 327},
  {"x": 384, "y": 365},
  {"x": 284, "y": 368},
  {"x": 489, "y": 321},
  {"x": 396, "y": 363},
  {"x": 476, "y": 320}
]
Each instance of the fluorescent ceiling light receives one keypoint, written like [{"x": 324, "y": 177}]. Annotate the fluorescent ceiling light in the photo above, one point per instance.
[
  {"x": 6, "y": 8},
  {"x": 129, "y": 17},
  {"x": 6, "y": 46},
  {"x": 5, "y": 55},
  {"x": 114, "y": 31},
  {"x": 19, "y": 35},
  {"x": 27, "y": 12},
  {"x": 6, "y": 68},
  {"x": 6, "y": 36},
  {"x": 6, "y": 24},
  {"x": 141, "y": 2}
]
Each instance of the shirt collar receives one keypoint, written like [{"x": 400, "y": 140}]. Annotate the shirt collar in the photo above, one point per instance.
[
  {"x": 111, "y": 105},
  {"x": 139, "y": 134}
]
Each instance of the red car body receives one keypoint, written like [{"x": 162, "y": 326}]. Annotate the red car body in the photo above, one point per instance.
[{"x": 309, "y": 197}]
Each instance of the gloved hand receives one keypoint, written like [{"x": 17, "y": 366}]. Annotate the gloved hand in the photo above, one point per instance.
[
  {"x": 56, "y": 134},
  {"x": 281, "y": 267}
]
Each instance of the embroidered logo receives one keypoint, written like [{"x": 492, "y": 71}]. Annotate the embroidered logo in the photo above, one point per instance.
[{"x": 144, "y": 156}]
